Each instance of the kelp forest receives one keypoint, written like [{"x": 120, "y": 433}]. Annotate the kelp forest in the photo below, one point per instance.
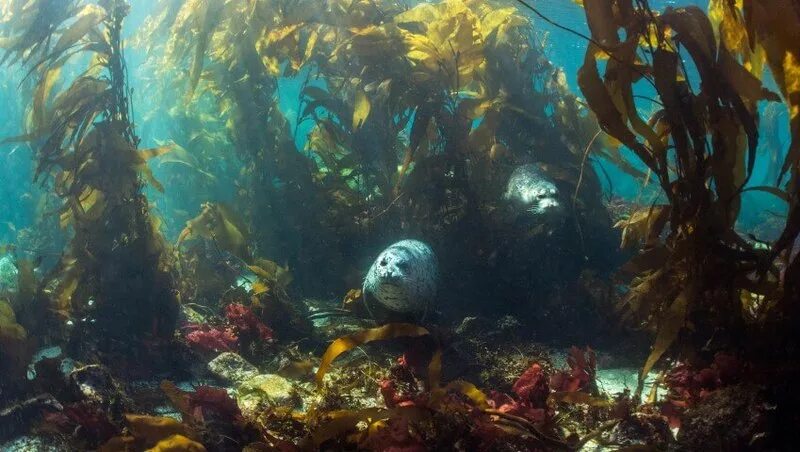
[{"x": 399, "y": 225}]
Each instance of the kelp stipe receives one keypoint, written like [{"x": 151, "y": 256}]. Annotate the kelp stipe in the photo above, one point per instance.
[{"x": 115, "y": 278}]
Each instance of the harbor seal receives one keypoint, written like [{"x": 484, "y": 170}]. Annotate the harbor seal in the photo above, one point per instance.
[
  {"x": 529, "y": 188},
  {"x": 401, "y": 283}
]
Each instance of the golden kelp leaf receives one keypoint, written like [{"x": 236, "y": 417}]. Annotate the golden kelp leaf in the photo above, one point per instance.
[
  {"x": 91, "y": 203},
  {"x": 422, "y": 119},
  {"x": 147, "y": 154},
  {"x": 669, "y": 327},
  {"x": 728, "y": 164},
  {"x": 259, "y": 287},
  {"x": 62, "y": 295},
  {"x": 621, "y": 74},
  {"x": 602, "y": 22},
  {"x": 778, "y": 33},
  {"x": 43, "y": 90},
  {"x": 311, "y": 44},
  {"x": 696, "y": 32},
  {"x": 500, "y": 21},
  {"x": 346, "y": 343},
  {"x": 89, "y": 17},
  {"x": 644, "y": 225},
  {"x": 272, "y": 65},
  {"x": 206, "y": 18},
  {"x": 645, "y": 291},
  {"x": 147, "y": 174},
  {"x": 279, "y": 34},
  {"x": 745, "y": 83},
  {"x": 602, "y": 104},
  {"x": 352, "y": 297},
  {"x": 650, "y": 259},
  {"x": 435, "y": 369},
  {"x": 465, "y": 388},
  {"x": 219, "y": 224},
  {"x": 26, "y": 282},
  {"x": 152, "y": 429},
  {"x": 343, "y": 421},
  {"x": 484, "y": 136},
  {"x": 360, "y": 109},
  {"x": 475, "y": 108},
  {"x": 497, "y": 150},
  {"x": 729, "y": 25},
  {"x": 178, "y": 155},
  {"x": 178, "y": 443},
  {"x": 178, "y": 398},
  {"x": 450, "y": 42},
  {"x": 790, "y": 71},
  {"x": 9, "y": 328},
  {"x": 272, "y": 272}
]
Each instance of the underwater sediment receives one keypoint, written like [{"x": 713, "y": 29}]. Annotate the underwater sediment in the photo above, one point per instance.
[{"x": 396, "y": 225}]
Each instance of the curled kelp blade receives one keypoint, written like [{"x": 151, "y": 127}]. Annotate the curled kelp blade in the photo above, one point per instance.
[
  {"x": 220, "y": 225},
  {"x": 347, "y": 343}
]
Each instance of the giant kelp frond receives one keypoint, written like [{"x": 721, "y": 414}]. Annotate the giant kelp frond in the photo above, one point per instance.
[
  {"x": 85, "y": 141},
  {"x": 30, "y": 28},
  {"x": 218, "y": 224},
  {"x": 700, "y": 147}
]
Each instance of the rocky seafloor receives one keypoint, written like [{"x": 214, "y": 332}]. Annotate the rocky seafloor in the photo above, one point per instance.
[{"x": 477, "y": 385}]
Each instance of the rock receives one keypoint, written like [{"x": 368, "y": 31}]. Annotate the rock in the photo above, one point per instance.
[
  {"x": 94, "y": 384},
  {"x": 232, "y": 368},
  {"x": 17, "y": 419},
  {"x": 732, "y": 418},
  {"x": 265, "y": 390},
  {"x": 642, "y": 429},
  {"x": 53, "y": 443}
]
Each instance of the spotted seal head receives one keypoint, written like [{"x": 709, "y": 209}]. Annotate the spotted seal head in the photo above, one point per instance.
[
  {"x": 401, "y": 283},
  {"x": 530, "y": 189}
]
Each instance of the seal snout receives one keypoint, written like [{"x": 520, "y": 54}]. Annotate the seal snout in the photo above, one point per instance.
[{"x": 529, "y": 188}]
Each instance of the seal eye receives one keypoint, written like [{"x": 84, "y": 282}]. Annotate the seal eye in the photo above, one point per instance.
[
  {"x": 402, "y": 265},
  {"x": 383, "y": 262}
]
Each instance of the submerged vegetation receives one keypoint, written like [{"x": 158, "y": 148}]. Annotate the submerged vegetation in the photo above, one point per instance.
[
  {"x": 87, "y": 149},
  {"x": 696, "y": 281},
  {"x": 407, "y": 119}
]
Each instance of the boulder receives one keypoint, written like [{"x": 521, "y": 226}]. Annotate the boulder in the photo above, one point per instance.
[
  {"x": 265, "y": 390},
  {"x": 232, "y": 368}
]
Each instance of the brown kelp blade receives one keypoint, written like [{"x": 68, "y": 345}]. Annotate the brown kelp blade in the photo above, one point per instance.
[{"x": 347, "y": 343}]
